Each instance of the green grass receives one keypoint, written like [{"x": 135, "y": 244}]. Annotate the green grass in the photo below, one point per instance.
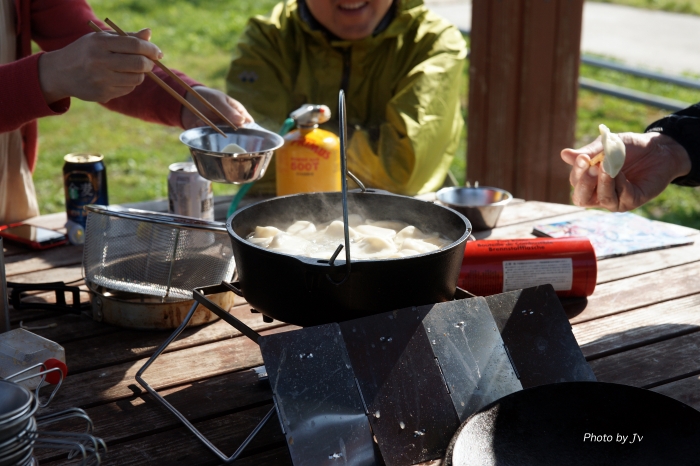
[
  {"x": 675, "y": 6},
  {"x": 197, "y": 37}
]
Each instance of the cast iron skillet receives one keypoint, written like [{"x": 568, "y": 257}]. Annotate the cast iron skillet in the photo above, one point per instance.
[
  {"x": 548, "y": 425},
  {"x": 297, "y": 289}
]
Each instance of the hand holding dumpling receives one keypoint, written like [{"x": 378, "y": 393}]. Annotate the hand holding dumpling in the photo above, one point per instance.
[{"x": 652, "y": 161}]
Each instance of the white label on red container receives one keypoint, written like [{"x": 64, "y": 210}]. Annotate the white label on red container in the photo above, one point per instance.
[{"x": 524, "y": 274}]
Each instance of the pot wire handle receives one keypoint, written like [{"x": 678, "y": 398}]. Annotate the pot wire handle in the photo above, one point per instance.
[{"x": 344, "y": 181}]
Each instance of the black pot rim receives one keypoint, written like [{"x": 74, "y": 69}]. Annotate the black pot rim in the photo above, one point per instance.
[{"x": 339, "y": 261}]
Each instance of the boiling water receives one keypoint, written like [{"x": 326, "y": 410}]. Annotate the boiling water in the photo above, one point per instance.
[{"x": 369, "y": 239}]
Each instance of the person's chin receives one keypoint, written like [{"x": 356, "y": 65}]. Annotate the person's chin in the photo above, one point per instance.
[{"x": 352, "y": 31}]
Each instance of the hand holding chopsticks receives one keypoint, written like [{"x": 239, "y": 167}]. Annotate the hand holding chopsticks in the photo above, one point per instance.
[{"x": 173, "y": 93}]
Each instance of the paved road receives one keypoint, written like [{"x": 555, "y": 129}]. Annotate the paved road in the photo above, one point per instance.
[{"x": 655, "y": 40}]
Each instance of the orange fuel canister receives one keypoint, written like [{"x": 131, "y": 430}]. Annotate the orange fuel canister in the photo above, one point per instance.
[
  {"x": 496, "y": 266},
  {"x": 309, "y": 161}
]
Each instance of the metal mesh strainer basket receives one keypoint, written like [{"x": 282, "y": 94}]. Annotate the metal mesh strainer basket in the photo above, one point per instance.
[{"x": 154, "y": 254}]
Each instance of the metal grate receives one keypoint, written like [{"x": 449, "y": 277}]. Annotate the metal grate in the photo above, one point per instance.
[{"x": 154, "y": 254}]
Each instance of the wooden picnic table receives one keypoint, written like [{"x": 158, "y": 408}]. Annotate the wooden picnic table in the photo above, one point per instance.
[{"x": 640, "y": 328}]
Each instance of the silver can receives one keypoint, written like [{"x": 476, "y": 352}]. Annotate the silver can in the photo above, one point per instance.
[{"x": 188, "y": 193}]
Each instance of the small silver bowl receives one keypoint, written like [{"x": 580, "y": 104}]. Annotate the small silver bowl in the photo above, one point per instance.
[
  {"x": 206, "y": 145},
  {"x": 481, "y": 205}
]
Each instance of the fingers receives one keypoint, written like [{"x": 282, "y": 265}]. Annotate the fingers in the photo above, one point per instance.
[
  {"x": 569, "y": 155},
  {"x": 237, "y": 113},
  {"x": 607, "y": 192},
  {"x": 584, "y": 179},
  {"x": 130, "y": 45},
  {"x": 143, "y": 34},
  {"x": 130, "y": 64}
]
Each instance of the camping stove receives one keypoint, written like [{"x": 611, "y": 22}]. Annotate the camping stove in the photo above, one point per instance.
[{"x": 393, "y": 388}]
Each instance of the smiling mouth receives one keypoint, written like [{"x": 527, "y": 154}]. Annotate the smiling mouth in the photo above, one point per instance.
[{"x": 352, "y": 6}]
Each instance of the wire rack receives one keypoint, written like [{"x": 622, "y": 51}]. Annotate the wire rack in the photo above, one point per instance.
[{"x": 154, "y": 254}]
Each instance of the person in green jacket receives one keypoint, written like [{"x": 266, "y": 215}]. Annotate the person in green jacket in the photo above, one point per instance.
[{"x": 399, "y": 64}]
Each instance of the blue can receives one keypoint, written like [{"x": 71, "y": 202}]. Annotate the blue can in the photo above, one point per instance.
[{"x": 84, "y": 182}]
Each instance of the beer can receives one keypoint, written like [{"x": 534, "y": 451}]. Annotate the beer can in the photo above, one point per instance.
[
  {"x": 495, "y": 266},
  {"x": 84, "y": 182},
  {"x": 188, "y": 193}
]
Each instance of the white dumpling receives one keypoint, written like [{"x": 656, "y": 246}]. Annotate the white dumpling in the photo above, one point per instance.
[
  {"x": 396, "y": 226},
  {"x": 233, "y": 149},
  {"x": 262, "y": 242},
  {"x": 373, "y": 246},
  {"x": 373, "y": 230},
  {"x": 418, "y": 245},
  {"x": 354, "y": 220},
  {"x": 289, "y": 244},
  {"x": 265, "y": 232},
  {"x": 301, "y": 228},
  {"x": 614, "y": 150},
  {"x": 336, "y": 229},
  {"x": 409, "y": 232}
]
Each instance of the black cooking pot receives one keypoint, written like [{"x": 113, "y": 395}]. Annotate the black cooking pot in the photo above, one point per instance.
[
  {"x": 300, "y": 290},
  {"x": 579, "y": 424}
]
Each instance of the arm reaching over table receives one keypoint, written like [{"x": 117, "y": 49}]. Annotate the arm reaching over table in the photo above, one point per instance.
[
  {"x": 668, "y": 152},
  {"x": 653, "y": 161}
]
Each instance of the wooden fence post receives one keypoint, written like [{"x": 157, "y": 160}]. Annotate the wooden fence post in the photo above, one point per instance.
[{"x": 522, "y": 95}]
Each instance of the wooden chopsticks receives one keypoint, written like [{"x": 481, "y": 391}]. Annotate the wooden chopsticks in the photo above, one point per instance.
[{"x": 170, "y": 91}]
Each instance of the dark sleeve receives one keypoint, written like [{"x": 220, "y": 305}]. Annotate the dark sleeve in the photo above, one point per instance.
[{"x": 684, "y": 127}]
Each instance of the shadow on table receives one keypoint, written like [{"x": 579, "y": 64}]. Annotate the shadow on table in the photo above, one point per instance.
[{"x": 617, "y": 342}]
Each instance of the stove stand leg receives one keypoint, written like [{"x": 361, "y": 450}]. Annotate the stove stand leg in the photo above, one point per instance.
[{"x": 225, "y": 459}]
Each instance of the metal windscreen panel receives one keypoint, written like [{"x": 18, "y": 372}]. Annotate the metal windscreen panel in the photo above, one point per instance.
[
  {"x": 538, "y": 335},
  {"x": 318, "y": 402},
  {"x": 470, "y": 351},
  {"x": 410, "y": 409}
]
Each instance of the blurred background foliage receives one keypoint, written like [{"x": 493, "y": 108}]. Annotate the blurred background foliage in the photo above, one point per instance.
[{"x": 198, "y": 37}]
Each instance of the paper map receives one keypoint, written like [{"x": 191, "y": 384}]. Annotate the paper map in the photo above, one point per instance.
[{"x": 618, "y": 234}]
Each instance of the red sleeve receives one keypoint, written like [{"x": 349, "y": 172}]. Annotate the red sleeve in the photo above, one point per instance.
[
  {"x": 21, "y": 99},
  {"x": 57, "y": 23},
  {"x": 150, "y": 102}
]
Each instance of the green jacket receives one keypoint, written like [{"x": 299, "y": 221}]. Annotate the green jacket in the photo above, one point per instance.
[{"x": 402, "y": 90}]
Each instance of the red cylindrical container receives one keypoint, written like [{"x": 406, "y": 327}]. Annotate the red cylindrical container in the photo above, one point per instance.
[{"x": 496, "y": 266}]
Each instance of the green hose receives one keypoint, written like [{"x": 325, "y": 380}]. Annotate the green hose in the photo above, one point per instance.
[{"x": 286, "y": 127}]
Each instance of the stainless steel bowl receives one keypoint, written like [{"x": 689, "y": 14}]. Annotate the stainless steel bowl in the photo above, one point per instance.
[
  {"x": 206, "y": 145},
  {"x": 481, "y": 205}
]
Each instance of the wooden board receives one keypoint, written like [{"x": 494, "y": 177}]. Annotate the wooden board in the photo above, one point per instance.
[
  {"x": 652, "y": 365},
  {"x": 639, "y": 291},
  {"x": 638, "y": 327}
]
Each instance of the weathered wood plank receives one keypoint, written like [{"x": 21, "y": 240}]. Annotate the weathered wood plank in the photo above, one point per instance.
[
  {"x": 70, "y": 327},
  {"x": 639, "y": 291},
  {"x": 33, "y": 261},
  {"x": 65, "y": 274},
  {"x": 533, "y": 211},
  {"x": 141, "y": 415},
  {"x": 171, "y": 369},
  {"x": 129, "y": 345},
  {"x": 653, "y": 364},
  {"x": 616, "y": 268},
  {"x": 180, "y": 447},
  {"x": 10, "y": 248},
  {"x": 685, "y": 390},
  {"x": 639, "y": 327}
]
